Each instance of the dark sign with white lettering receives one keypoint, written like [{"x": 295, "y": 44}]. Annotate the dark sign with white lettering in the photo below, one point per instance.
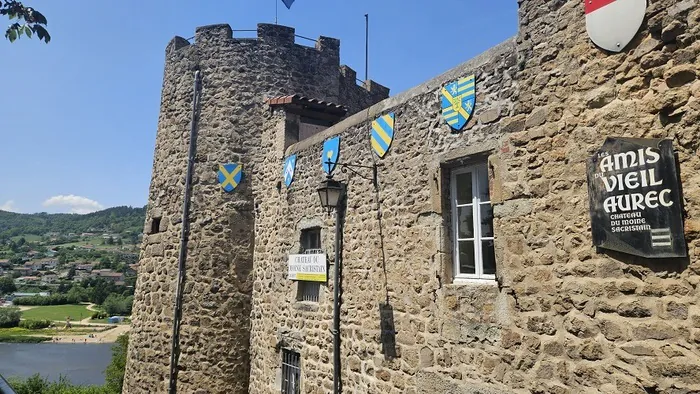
[{"x": 635, "y": 198}]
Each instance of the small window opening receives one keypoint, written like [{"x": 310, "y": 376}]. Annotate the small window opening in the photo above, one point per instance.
[
  {"x": 291, "y": 372},
  {"x": 155, "y": 225}
]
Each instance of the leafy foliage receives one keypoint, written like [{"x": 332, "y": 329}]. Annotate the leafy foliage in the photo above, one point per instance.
[
  {"x": 7, "y": 285},
  {"x": 118, "y": 305},
  {"x": 9, "y": 317},
  {"x": 34, "y": 324},
  {"x": 116, "y": 220},
  {"x": 114, "y": 374},
  {"x": 38, "y": 385},
  {"x": 28, "y": 21}
]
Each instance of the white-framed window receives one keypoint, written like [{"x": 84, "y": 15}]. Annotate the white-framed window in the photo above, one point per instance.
[{"x": 472, "y": 223}]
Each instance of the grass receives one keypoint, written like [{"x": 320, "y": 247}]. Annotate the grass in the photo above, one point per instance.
[
  {"x": 21, "y": 335},
  {"x": 57, "y": 312},
  {"x": 27, "y": 237}
]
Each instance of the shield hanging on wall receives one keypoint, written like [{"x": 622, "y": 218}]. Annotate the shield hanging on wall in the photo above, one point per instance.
[
  {"x": 230, "y": 176},
  {"x": 288, "y": 171},
  {"x": 612, "y": 24},
  {"x": 331, "y": 152},
  {"x": 458, "y": 99},
  {"x": 382, "y": 134}
]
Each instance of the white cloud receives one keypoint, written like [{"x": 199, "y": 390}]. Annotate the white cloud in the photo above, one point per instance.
[
  {"x": 8, "y": 206},
  {"x": 73, "y": 204}
]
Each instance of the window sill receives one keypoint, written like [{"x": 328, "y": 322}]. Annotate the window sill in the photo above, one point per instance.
[
  {"x": 308, "y": 306},
  {"x": 474, "y": 282}
]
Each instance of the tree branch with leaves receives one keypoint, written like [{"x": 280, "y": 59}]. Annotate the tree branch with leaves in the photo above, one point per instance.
[{"x": 28, "y": 21}]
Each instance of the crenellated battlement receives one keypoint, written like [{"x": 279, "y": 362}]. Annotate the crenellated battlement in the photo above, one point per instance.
[{"x": 299, "y": 62}]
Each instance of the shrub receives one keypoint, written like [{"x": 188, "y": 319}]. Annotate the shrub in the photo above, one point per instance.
[
  {"x": 34, "y": 324},
  {"x": 99, "y": 315},
  {"x": 9, "y": 317}
]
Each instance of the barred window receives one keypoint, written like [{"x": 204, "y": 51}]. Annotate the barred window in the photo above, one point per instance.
[
  {"x": 472, "y": 224},
  {"x": 291, "y": 372}
]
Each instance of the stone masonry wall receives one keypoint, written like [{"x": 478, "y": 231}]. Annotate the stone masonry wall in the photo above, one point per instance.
[
  {"x": 562, "y": 317},
  {"x": 398, "y": 255},
  {"x": 237, "y": 77}
]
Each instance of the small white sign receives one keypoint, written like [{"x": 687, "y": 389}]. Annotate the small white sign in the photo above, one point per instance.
[{"x": 307, "y": 267}]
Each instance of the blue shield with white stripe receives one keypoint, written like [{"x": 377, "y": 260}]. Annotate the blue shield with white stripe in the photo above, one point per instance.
[
  {"x": 288, "y": 171},
  {"x": 382, "y": 134},
  {"x": 458, "y": 99},
  {"x": 331, "y": 152},
  {"x": 230, "y": 176}
]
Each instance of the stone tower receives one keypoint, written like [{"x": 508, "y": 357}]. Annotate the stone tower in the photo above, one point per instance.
[{"x": 238, "y": 78}]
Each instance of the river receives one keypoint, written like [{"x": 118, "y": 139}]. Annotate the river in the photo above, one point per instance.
[{"x": 82, "y": 364}]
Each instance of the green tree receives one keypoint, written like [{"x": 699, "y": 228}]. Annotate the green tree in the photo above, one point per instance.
[
  {"x": 114, "y": 374},
  {"x": 7, "y": 285},
  {"x": 28, "y": 21},
  {"x": 9, "y": 317}
]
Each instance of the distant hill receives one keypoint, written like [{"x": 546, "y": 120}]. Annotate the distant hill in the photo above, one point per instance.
[{"x": 113, "y": 220}]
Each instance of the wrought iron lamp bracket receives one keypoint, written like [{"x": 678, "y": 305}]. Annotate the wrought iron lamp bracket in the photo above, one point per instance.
[{"x": 344, "y": 168}]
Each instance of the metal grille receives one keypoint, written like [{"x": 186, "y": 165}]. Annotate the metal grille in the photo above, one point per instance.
[
  {"x": 308, "y": 291},
  {"x": 291, "y": 372}
]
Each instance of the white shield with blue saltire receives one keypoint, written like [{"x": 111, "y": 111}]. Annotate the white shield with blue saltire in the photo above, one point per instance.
[
  {"x": 230, "y": 176},
  {"x": 458, "y": 99},
  {"x": 382, "y": 134},
  {"x": 288, "y": 171},
  {"x": 331, "y": 152}
]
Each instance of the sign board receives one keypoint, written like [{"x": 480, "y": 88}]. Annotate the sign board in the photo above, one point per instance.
[
  {"x": 634, "y": 195},
  {"x": 308, "y": 267}
]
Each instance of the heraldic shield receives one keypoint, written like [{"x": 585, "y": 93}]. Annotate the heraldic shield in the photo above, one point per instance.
[
  {"x": 331, "y": 151},
  {"x": 612, "y": 24},
  {"x": 288, "y": 171},
  {"x": 458, "y": 100},
  {"x": 382, "y": 134},
  {"x": 230, "y": 176}
]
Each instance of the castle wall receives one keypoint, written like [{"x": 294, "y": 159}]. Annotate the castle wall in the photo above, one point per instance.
[
  {"x": 561, "y": 316},
  {"x": 238, "y": 75}
]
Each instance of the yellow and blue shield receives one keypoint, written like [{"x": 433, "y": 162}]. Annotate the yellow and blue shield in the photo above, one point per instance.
[
  {"x": 458, "y": 99},
  {"x": 331, "y": 152},
  {"x": 288, "y": 171},
  {"x": 230, "y": 176},
  {"x": 382, "y": 134}
]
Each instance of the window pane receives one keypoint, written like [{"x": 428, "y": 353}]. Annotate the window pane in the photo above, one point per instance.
[
  {"x": 489, "y": 257},
  {"x": 464, "y": 188},
  {"x": 465, "y": 224},
  {"x": 486, "y": 220},
  {"x": 483, "y": 180},
  {"x": 466, "y": 257}
]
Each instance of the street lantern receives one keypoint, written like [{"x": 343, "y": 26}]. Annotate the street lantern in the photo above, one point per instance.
[{"x": 330, "y": 192}]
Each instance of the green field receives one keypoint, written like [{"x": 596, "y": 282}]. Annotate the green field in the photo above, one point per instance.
[
  {"x": 57, "y": 312},
  {"x": 27, "y": 237}
]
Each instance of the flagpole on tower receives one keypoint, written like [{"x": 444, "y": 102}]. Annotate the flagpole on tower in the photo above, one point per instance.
[
  {"x": 366, "y": 47},
  {"x": 275, "y": 11}
]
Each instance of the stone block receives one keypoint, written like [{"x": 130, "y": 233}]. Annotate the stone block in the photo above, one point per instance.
[
  {"x": 633, "y": 309},
  {"x": 541, "y": 325},
  {"x": 654, "y": 330}
]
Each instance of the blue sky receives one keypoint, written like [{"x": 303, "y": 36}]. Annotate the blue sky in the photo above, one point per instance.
[{"x": 78, "y": 116}]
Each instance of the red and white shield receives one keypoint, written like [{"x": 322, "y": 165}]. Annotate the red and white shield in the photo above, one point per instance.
[{"x": 612, "y": 24}]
